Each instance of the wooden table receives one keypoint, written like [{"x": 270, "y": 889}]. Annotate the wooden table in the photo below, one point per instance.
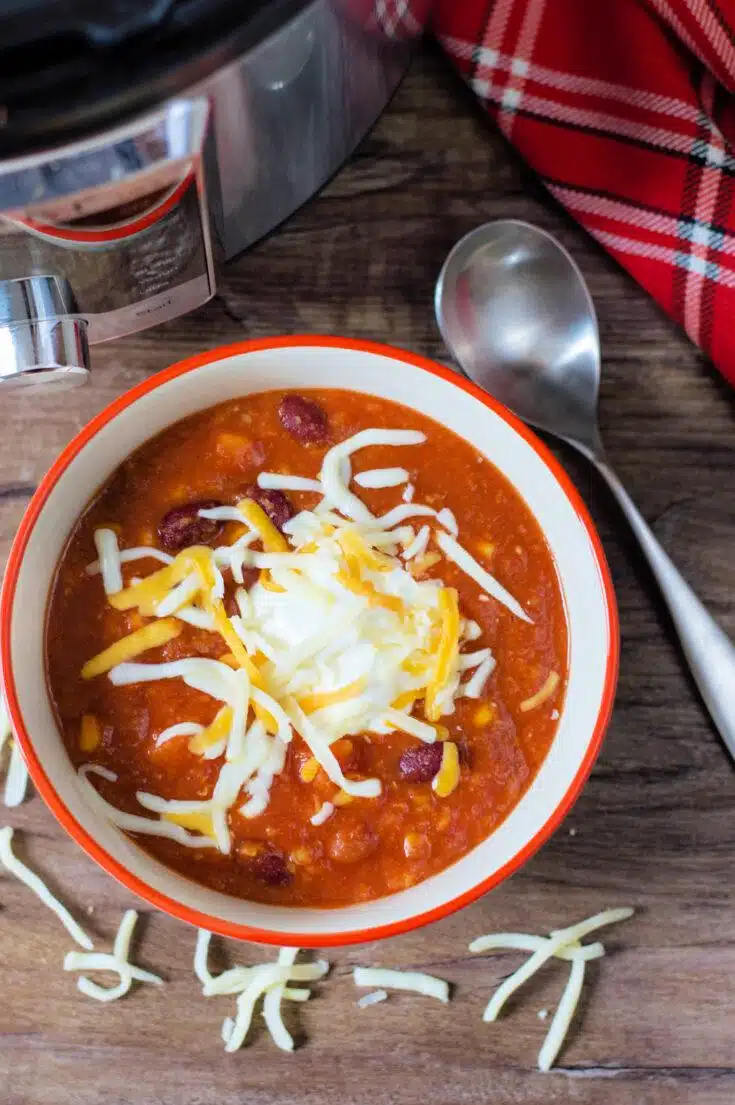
[{"x": 655, "y": 826}]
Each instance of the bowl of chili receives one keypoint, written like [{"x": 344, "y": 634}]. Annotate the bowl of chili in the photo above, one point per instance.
[{"x": 397, "y": 758}]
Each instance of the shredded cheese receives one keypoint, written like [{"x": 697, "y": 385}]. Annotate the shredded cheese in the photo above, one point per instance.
[
  {"x": 16, "y": 777},
  {"x": 323, "y": 814},
  {"x": 418, "y": 546},
  {"x": 454, "y": 551},
  {"x": 274, "y": 481},
  {"x": 372, "y": 998},
  {"x": 447, "y": 778},
  {"x": 127, "y": 648},
  {"x": 105, "y": 541},
  {"x": 447, "y": 519},
  {"x": 543, "y": 694},
  {"x": 562, "y": 944},
  {"x": 118, "y": 962},
  {"x": 382, "y": 477},
  {"x": 267, "y": 980},
  {"x": 126, "y": 556},
  {"x": 414, "y": 981},
  {"x": 12, "y": 864}
]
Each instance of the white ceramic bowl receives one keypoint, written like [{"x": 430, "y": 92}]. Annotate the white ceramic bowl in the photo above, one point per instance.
[{"x": 302, "y": 362}]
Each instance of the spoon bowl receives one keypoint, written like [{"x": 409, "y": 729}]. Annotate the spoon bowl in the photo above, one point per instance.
[{"x": 515, "y": 311}]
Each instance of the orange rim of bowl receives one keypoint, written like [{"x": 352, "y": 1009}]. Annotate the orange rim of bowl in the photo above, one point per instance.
[{"x": 123, "y": 874}]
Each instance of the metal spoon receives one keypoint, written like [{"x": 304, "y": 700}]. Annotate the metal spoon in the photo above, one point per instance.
[{"x": 515, "y": 312}]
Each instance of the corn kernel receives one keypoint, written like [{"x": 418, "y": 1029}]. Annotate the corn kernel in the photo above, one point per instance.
[
  {"x": 250, "y": 848},
  {"x": 302, "y": 856},
  {"x": 416, "y": 845},
  {"x": 487, "y": 548},
  {"x": 309, "y": 770},
  {"x": 484, "y": 713},
  {"x": 90, "y": 733}
]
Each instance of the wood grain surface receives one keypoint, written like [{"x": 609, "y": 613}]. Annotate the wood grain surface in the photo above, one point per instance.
[{"x": 655, "y": 827}]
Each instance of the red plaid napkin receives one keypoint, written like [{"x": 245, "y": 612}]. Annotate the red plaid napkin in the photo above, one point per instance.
[{"x": 624, "y": 108}]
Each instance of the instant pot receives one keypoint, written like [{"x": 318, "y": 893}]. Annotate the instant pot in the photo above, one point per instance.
[{"x": 142, "y": 144}]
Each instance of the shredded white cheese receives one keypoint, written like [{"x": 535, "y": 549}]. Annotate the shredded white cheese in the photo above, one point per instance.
[
  {"x": 482, "y": 578},
  {"x": 201, "y": 956},
  {"x": 446, "y": 518},
  {"x": 414, "y": 981},
  {"x": 418, "y": 545},
  {"x": 333, "y": 472},
  {"x": 372, "y": 998},
  {"x": 323, "y": 814},
  {"x": 105, "y": 541},
  {"x": 274, "y": 481},
  {"x": 563, "y": 1016},
  {"x": 562, "y": 944},
  {"x": 182, "y": 729},
  {"x": 118, "y": 963},
  {"x": 16, "y": 776},
  {"x": 39, "y": 888},
  {"x": 474, "y": 686},
  {"x": 267, "y": 980},
  {"x": 142, "y": 552},
  {"x": 408, "y": 493},
  {"x": 382, "y": 477}
]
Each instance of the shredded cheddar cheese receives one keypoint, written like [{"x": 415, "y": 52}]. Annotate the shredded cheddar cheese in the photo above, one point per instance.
[
  {"x": 127, "y": 648},
  {"x": 447, "y": 652},
  {"x": 543, "y": 694},
  {"x": 310, "y": 703},
  {"x": 254, "y": 515},
  {"x": 447, "y": 778}
]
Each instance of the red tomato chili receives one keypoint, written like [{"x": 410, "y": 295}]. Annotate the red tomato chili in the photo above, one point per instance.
[{"x": 368, "y": 847}]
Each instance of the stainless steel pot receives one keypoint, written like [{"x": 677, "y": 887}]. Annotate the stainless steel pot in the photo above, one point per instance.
[{"x": 128, "y": 199}]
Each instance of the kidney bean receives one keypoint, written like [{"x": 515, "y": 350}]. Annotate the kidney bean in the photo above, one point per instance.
[
  {"x": 420, "y": 764},
  {"x": 303, "y": 418},
  {"x": 276, "y": 505},
  {"x": 271, "y": 868},
  {"x": 182, "y": 526}
]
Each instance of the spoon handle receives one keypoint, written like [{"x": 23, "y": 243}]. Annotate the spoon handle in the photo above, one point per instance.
[{"x": 709, "y": 652}]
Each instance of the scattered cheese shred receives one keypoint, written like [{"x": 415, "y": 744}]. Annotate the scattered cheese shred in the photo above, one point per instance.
[
  {"x": 127, "y": 648},
  {"x": 447, "y": 652},
  {"x": 454, "y": 551},
  {"x": 118, "y": 963},
  {"x": 142, "y": 552},
  {"x": 310, "y": 703},
  {"x": 543, "y": 694},
  {"x": 414, "y": 981},
  {"x": 562, "y": 944},
  {"x": 323, "y": 814},
  {"x": 274, "y": 481},
  {"x": 372, "y": 998},
  {"x": 39, "y": 888},
  {"x": 16, "y": 776},
  {"x": 267, "y": 980},
  {"x": 382, "y": 477},
  {"x": 105, "y": 541},
  {"x": 255, "y": 516},
  {"x": 447, "y": 778}
]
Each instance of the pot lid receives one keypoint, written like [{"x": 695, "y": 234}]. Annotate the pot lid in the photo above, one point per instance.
[{"x": 69, "y": 68}]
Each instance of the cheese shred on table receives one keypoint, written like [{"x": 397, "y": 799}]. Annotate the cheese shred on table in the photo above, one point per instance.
[
  {"x": 16, "y": 774},
  {"x": 118, "y": 963},
  {"x": 289, "y": 665},
  {"x": 269, "y": 981},
  {"x": 415, "y": 982},
  {"x": 562, "y": 944},
  {"x": 12, "y": 864}
]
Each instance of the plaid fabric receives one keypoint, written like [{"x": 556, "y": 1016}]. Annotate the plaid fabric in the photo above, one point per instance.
[{"x": 624, "y": 109}]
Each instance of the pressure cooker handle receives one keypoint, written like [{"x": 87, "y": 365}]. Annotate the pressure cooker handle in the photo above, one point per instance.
[{"x": 43, "y": 338}]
